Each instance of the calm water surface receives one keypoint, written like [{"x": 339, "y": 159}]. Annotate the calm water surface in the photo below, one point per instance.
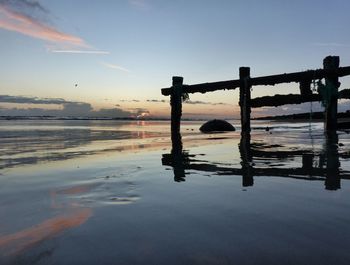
[{"x": 112, "y": 192}]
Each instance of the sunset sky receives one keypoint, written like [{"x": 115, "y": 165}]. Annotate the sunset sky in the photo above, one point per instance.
[{"x": 111, "y": 58}]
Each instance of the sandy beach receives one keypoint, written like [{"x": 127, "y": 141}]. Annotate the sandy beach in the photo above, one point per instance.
[{"x": 110, "y": 193}]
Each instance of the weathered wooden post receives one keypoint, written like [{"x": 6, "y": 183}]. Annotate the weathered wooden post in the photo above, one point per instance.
[
  {"x": 244, "y": 146},
  {"x": 176, "y": 105},
  {"x": 332, "y": 85},
  {"x": 244, "y": 98},
  {"x": 305, "y": 87}
]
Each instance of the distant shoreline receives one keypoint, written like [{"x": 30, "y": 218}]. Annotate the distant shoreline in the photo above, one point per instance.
[
  {"x": 300, "y": 117},
  {"x": 13, "y": 118}
]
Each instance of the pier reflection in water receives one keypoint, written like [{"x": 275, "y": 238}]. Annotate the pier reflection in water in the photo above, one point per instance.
[{"x": 264, "y": 159}]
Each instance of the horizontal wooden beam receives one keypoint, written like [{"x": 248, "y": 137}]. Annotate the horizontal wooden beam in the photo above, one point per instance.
[
  {"x": 299, "y": 76},
  {"x": 263, "y": 80},
  {"x": 205, "y": 87},
  {"x": 344, "y": 94},
  {"x": 279, "y": 100}
]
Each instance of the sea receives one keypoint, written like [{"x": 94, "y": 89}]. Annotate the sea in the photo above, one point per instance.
[{"x": 122, "y": 192}]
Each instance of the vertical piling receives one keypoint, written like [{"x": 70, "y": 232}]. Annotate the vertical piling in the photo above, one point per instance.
[
  {"x": 244, "y": 98},
  {"x": 176, "y": 105},
  {"x": 305, "y": 87},
  {"x": 244, "y": 146},
  {"x": 332, "y": 85}
]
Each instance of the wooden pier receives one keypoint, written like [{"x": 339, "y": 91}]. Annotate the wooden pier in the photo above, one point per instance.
[
  {"x": 327, "y": 92},
  {"x": 330, "y": 72}
]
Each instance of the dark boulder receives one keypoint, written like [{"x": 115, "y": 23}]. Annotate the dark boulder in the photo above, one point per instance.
[{"x": 216, "y": 126}]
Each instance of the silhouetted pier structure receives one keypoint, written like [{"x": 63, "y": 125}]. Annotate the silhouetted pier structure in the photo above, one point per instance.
[
  {"x": 329, "y": 164},
  {"x": 330, "y": 72}
]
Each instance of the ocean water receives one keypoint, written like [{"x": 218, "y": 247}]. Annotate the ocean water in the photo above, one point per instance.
[{"x": 119, "y": 192}]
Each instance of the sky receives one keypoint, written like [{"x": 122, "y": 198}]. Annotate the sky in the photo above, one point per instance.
[{"x": 111, "y": 58}]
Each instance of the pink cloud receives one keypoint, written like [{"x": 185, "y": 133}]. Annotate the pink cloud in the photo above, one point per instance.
[{"x": 21, "y": 23}]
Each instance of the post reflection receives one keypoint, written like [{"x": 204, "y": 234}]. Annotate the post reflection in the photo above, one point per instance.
[
  {"x": 332, "y": 161},
  {"x": 258, "y": 159},
  {"x": 246, "y": 160},
  {"x": 177, "y": 158}
]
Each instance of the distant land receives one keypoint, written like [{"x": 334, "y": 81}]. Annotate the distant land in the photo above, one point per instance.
[{"x": 91, "y": 118}]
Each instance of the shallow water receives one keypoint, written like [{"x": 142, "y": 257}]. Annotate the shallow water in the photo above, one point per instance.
[{"x": 111, "y": 192}]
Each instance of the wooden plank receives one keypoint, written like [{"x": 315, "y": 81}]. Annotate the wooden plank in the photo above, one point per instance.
[
  {"x": 263, "y": 80},
  {"x": 279, "y": 100},
  {"x": 345, "y": 94},
  {"x": 205, "y": 87},
  {"x": 300, "y": 76}
]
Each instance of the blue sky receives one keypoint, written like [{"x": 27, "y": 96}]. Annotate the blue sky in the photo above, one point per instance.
[{"x": 120, "y": 53}]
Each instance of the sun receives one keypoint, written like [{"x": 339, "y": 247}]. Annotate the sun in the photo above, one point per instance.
[{"x": 142, "y": 115}]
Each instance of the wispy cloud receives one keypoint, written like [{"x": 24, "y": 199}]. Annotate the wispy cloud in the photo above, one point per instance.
[
  {"x": 116, "y": 67},
  {"x": 79, "y": 51},
  {"x": 129, "y": 100},
  {"x": 139, "y": 3},
  {"x": 21, "y": 23},
  {"x": 156, "y": 100},
  {"x": 191, "y": 102},
  {"x": 24, "y": 4},
  {"x": 30, "y": 18}
]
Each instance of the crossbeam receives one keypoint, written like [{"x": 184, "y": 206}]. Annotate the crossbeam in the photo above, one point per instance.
[
  {"x": 297, "y": 77},
  {"x": 279, "y": 100}
]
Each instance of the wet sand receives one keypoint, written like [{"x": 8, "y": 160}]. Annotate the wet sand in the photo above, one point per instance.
[{"x": 120, "y": 193}]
